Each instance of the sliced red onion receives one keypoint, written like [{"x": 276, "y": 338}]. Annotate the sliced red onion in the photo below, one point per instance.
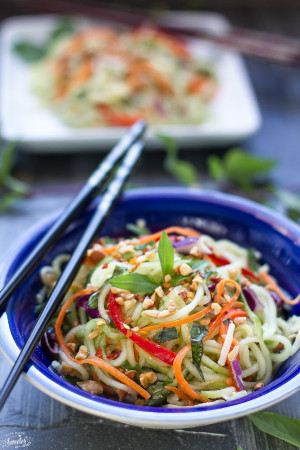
[
  {"x": 277, "y": 299},
  {"x": 252, "y": 299},
  {"x": 237, "y": 374},
  {"x": 50, "y": 342},
  {"x": 82, "y": 302},
  {"x": 185, "y": 245},
  {"x": 212, "y": 287}
]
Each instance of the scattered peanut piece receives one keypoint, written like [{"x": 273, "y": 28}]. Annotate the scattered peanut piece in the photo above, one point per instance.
[
  {"x": 91, "y": 386},
  {"x": 185, "y": 270},
  {"x": 147, "y": 378},
  {"x": 159, "y": 291}
]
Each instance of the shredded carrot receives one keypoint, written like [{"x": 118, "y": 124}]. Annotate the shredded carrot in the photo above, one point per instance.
[
  {"x": 178, "y": 322},
  {"x": 155, "y": 236},
  {"x": 180, "y": 378},
  {"x": 225, "y": 308},
  {"x": 180, "y": 394},
  {"x": 272, "y": 285},
  {"x": 93, "y": 360}
]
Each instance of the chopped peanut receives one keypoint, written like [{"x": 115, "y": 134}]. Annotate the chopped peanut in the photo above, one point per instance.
[
  {"x": 153, "y": 297},
  {"x": 185, "y": 270},
  {"x": 129, "y": 304},
  {"x": 147, "y": 378},
  {"x": 168, "y": 278},
  {"x": 100, "y": 322},
  {"x": 172, "y": 306},
  {"x": 159, "y": 291},
  {"x": 183, "y": 294},
  {"x": 68, "y": 370},
  {"x": 127, "y": 295},
  {"x": 120, "y": 301},
  {"x": 71, "y": 346},
  {"x": 258, "y": 385},
  {"x": 82, "y": 353},
  {"x": 129, "y": 320},
  {"x": 91, "y": 386},
  {"x": 204, "y": 322},
  {"x": 194, "y": 286},
  {"x": 125, "y": 249},
  {"x": 216, "y": 308},
  {"x": 95, "y": 333},
  {"x": 131, "y": 374},
  {"x": 190, "y": 295},
  {"x": 151, "y": 313},
  {"x": 195, "y": 251},
  {"x": 141, "y": 259},
  {"x": 240, "y": 320},
  {"x": 115, "y": 290},
  {"x": 126, "y": 326},
  {"x": 164, "y": 313},
  {"x": 147, "y": 302}
]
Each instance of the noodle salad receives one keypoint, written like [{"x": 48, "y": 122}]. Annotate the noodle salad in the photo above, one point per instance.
[
  {"x": 104, "y": 77},
  {"x": 172, "y": 319}
]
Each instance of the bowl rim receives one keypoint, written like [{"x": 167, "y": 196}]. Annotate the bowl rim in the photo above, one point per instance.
[{"x": 141, "y": 416}]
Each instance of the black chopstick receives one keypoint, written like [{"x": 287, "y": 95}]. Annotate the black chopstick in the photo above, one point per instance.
[
  {"x": 94, "y": 182},
  {"x": 72, "y": 267}
]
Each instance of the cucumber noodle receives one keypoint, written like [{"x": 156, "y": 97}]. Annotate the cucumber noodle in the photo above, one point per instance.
[{"x": 262, "y": 338}]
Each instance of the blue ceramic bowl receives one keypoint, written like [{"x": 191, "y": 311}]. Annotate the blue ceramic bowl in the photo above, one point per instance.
[{"x": 220, "y": 215}]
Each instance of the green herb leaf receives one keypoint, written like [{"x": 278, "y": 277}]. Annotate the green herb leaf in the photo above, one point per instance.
[
  {"x": 239, "y": 448},
  {"x": 278, "y": 425},
  {"x": 181, "y": 170},
  {"x": 134, "y": 282},
  {"x": 28, "y": 51},
  {"x": 198, "y": 264},
  {"x": 167, "y": 334},
  {"x": 137, "y": 229},
  {"x": 239, "y": 168},
  {"x": 166, "y": 254},
  {"x": 291, "y": 203},
  {"x": 158, "y": 393},
  {"x": 252, "y": 259},
  {"x": 198, "y": 332}
]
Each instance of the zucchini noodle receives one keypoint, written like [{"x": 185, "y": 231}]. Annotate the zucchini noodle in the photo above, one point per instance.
[{"x": 195, "y": 317}]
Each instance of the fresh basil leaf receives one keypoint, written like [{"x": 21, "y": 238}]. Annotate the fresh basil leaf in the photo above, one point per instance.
[
  {"x": 126, "y": 366},
  {"x": 166, "y": 254},
  {"x": 134, "y": 282},
  {"x": 198, "y": 264},
  {"x": 239, "y": 168},
  {"x": 198, "y": 332},
  {"x": 278, "y": 425},
  {"x": 93, "y": 300},
  {"x": 252, "y": 259},
  {"x": 240, "y": 448},
  {"x": 158, "y": 393},
  {"x": 137, "y": 229},
  {"x": 167, "y": 334},
  {"x": 28, "y": 51},
  {"x": 181, "y": 170}
]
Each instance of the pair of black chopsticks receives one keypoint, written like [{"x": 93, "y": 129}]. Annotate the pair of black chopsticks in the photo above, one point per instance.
[{"x": 129, "y": 147}]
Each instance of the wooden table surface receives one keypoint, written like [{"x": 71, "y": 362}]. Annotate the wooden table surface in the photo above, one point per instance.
[{"x": 44, "y": 423}]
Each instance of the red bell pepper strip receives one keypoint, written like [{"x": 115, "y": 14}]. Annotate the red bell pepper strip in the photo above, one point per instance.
[
  {"x": 157, "y": 350},
  {"x": 250, "y": 274},
  {"x": 218, "y": 260}
]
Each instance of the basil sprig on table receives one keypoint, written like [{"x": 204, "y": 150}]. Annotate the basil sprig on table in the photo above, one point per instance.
[
  {"x": 198, "y": 332},
  {"x": 167, "y": 334},
  {"x": 135, "y": 282},
  {"x": 166, "y": 254},
  {"x": 278, "y": 425}
]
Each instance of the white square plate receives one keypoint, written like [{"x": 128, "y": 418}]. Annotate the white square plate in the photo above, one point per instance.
[{"x": 233, "y": 114}]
